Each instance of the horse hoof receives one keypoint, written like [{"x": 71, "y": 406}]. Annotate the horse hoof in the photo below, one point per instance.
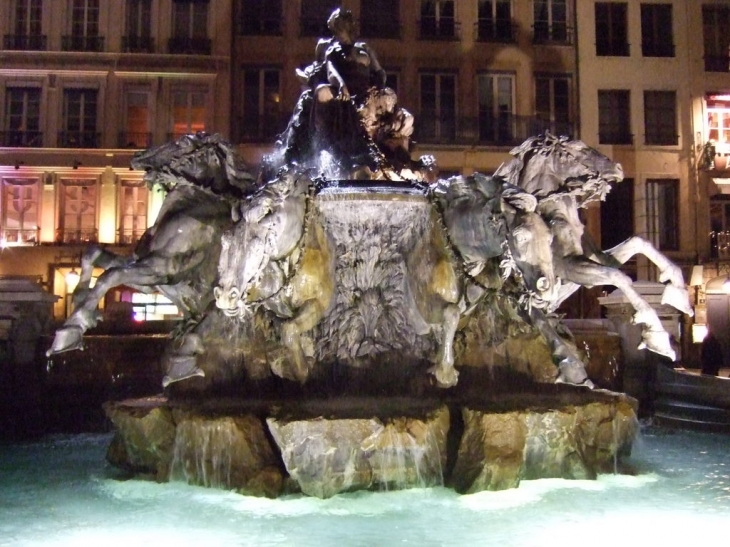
[
  {"x": 657, "y": 342},
  {"x": 195, "y": 371},
  {"x": 572, "y": 371},
  {"x": 444, "y": 378},
  {"x": 678, "y": 298},
  {"x": 66, "y": 339}
]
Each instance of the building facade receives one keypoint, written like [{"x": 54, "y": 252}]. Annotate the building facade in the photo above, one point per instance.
[{"x": 83, "y": 85}]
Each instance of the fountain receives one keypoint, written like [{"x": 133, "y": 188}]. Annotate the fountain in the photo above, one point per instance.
[{"x": 353, "y": 322}]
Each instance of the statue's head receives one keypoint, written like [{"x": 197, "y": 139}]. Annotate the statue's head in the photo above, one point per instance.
[{"x": 341, "y": 22}]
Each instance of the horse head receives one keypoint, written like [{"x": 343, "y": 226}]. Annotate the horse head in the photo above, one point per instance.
[
  {"x": 198, "y": 159},
  {"x": 548, "y": 164}
]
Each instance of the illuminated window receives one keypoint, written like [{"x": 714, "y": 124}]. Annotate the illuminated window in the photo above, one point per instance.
[
  {"x": 188, "y": 112},
  {"x": 137, "y": 121},
  {"x": 133, "y": 211},
  {"x": 78, "y": 211},
  {"x": 438, "y": 107},
  {"x": 153, "y": 307},
  {"x": 720, "y": 226},
  {"x": 19, "y": 211},
  {"x": 261, "y": 104},
  {"x": 496, "y": 107},
  {"x": 718, "y": 122}
]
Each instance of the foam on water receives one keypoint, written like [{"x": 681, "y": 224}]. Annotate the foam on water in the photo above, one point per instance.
[{"x": 61, "y": 492}]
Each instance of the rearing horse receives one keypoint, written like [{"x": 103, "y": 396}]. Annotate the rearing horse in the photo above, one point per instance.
[
  {"x": 565, "y": 175},
  {"x": 178, "y": 255}
]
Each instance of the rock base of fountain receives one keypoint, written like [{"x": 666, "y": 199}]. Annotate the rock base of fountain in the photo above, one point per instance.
[{"x": 325, "y": 447}]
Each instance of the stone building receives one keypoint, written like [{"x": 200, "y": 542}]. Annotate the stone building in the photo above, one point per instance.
[{"x": 84, "y": 83}]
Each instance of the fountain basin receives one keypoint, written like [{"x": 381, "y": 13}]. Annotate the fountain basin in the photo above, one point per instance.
[{"x": 327, "y": 446}]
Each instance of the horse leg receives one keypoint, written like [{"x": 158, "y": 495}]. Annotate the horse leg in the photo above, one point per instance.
[
  {"x": 94, "y": 257},
  {"x": 587, "y": 273},
  {"x": 571, "y": 369},
  {"x": 675, "y": 293},
  {"x": 307, "y": 317},
  {"x": 444, "y": 372}
]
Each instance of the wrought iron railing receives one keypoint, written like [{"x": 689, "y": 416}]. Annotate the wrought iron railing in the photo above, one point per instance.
[
  {"x": 30, "y": 236},
  {"x": 189, "y": 46},
  {"x": 24, "y": 139},
  {"x": 129, "y": 236},
  {"x": 504, "y": 130},
  {"x": 138, "y": 44},
  {"x": 612, "y": 49},
  {"x": 76, "y": 236},
  {"x": 79, "y": 139},
  {"x": 555, "y": 34},
  {"x": 25, "y": 42},
  {"x": 443, "y": 28},
  {"x": 491, "y": 30},
  {"x": 82, "y": 43},
  {"x": 615, "y": 137},
  {"x": 134, "y": 140}
]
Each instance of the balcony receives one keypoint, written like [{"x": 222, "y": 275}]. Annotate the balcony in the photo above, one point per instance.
[
  {"x": 504, "y": 130},
  {"x": 260, "y": 27},
  {"x": 134, "y": 140},
  {"x": 497, "y": 31},
  {"x": 22, "y": 139},
  {"x": 441, "y": 29},
  {"x": 24, "y": 42},
  {"x": 79, "y": 139},
  {"x": 189, "y": 46},
  {"x": 12, "y": 237},
  {"x": 717, "y": 63},
  {"x": 72, "y": 236},
  {"x": 381, "y": 29},
  {"x": 82, "y": 43},
  {"x": 129, "y": 236},
  {"x": 651, "y": 49},
  {"x": 138, "y": 44},
  {"x": 559, "y": 34}
]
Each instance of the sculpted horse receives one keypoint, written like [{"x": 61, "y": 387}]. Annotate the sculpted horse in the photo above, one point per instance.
[
  {"x": 178, "y": 255},
  {"x": 565, "y": 175},
  {"x": 489, "y": 223},
  {"x": 271, "y": 260}
]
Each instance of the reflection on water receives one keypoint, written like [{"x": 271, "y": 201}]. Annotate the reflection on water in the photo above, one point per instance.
[{"x": 61, "y": 492}]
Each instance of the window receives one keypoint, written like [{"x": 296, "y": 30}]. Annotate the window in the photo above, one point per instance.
[
  {"x": 188, "y": 112},
  {"x": 137, "y": 121},
  {"x": 660, "y": 117},
  {"x": 380, "y": 18},
  {"x": 79, "y": 117},
  {"x": 137, "y": 38},
  {"x": 84, "y": 27},
  {"x": 438, "y": 107},
  {"x": 190, "y": 27},
  {"x": 392, "y": 79},
  {"x": 496, "y": 105},
  {"x": 314, "y": 15},
  {"x": 437, "y": 20},
  {"x": 552, "y": 104},
  {"x": 20, "y": 212},
  {"x": 657, "y": 37},
  {"x": 716, "y": 37},
  {"x": 261, "y": 119},
  {"x": 494, "y": 23},
  {"x": 78, "y": 211},
  {"x": 22, "y": 117},
  {"x": 27, "y": 27},
  {"x": 662, "y": 203},
  {"x": 551, "y": 22},
  {"x": 133, "y": 211},
  {"x": 614, "y": 117},
  {"x": 720, "y": 226},
  {"x": 718, "y": 123},
  {"x": 612, "y": 29},
  {"x": 260, "y": 17},
  {"x": 617, "y": 214}
]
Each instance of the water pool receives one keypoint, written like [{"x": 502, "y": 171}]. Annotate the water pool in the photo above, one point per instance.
[{"x": 61, "y": 492}]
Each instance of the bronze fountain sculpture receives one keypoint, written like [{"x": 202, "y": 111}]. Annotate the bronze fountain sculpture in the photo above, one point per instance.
[{"x": 346, "y": 257}]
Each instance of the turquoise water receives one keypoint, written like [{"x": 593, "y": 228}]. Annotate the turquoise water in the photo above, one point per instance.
[{"x": 60, "y": 491}]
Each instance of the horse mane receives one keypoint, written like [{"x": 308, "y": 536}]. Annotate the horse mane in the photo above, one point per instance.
[
  {"x": 584, "y": 190},
  {"x": 187, "y": 161}
]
